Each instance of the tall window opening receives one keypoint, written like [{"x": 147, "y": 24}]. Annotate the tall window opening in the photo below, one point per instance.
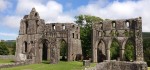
[
  {"x": 113, "y": 24},
  {"x": 127, "y": 24},
  {"x": 72, "y": 35},
  {"x": 26, "y": 47},
  {"x": 53, "y": 26},
  {"x": 63, "y": 27}
]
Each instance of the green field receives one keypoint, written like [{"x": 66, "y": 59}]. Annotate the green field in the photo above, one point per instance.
[
  {"x": 73, "y": 65},
  {"x": 5, "y": 61}
]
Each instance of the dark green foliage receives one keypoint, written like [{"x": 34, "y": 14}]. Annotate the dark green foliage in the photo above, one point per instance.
[
  {"x": 86, "y": 32},
  {"x": 129, "y": 51},
  {"x": 63, "y": 50},
  {"x": 3, "y": 49},
  {"x": 114, "y": 50}
]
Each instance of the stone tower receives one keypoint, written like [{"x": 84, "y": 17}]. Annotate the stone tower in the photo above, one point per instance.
[{"x": 39, "y": 41}]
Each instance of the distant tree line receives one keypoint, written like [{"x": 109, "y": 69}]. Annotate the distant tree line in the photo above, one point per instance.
[{"x": 7, "y": 48}]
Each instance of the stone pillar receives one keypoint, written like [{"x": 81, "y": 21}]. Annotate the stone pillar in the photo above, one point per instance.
[
  {"x": 48, "y": 53},
  {"x": 121, "y": 54},
  {"x": 94, "y": 49},
  {"x": 108, "y": 53},
  {"x": 94, "y": 54}
]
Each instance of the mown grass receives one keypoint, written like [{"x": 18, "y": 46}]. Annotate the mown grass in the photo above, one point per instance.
[
  {"x": 148, "y": 68},
  {"x": 62, "y": 65},
  {"x": 5, "y": 61}
]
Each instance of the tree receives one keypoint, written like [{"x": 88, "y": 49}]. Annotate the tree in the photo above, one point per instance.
[
  {"x": 3, "y": 49},
  {"x": 85, "y": 22}
]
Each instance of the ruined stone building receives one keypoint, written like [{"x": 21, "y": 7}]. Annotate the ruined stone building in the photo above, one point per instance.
[
  {"x": 120, "y": 30},
  {"x": 39, "y": 41}
]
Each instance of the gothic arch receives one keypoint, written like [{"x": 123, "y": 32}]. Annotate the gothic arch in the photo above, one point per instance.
[
  {"x": 63, "y": 49},
  {"x": 129, "y": 48},
  {"x": 101, "y": 51},
  {"x": 114, "y": 49}
]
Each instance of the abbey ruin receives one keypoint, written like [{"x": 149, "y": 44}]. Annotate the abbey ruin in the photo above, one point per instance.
[
  {"x": 39, "y": 41},
  {"x": 121, "y": 30}
]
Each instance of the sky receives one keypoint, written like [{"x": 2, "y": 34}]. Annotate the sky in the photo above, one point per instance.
[{"x": 12, "y": 11}]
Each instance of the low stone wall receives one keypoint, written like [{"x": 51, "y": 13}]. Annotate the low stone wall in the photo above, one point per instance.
[
  {"x": 7, "y": 65},
  {"x": 12, "y": 57},
  {"x": 120, "y": 65}
]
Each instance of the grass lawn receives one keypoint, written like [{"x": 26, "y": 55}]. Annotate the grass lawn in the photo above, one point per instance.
[
  {"x": 5, "y": 61},
  {"x": 148, "y": 68},
  {"x": 73, "y": 65}
]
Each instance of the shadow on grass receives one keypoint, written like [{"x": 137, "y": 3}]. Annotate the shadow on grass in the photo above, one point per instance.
[{"x": 46, "y": 62}]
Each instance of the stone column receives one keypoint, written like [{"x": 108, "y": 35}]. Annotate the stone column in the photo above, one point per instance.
[
  {"x": 95, "y": 55},
  {"x": 108, "y": 53},
  {"x": 48, "y": 53},
  {"x": 121, "y": 54}
]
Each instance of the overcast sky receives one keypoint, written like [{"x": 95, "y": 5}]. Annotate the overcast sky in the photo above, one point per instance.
[{"x": 12, "y": 11}]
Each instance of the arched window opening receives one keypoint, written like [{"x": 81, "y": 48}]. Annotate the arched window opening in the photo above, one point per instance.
[
  {"x": 127, "y": 24},
  {"x": 26, "y": 47},
  {"x": 114, "y": 50},
  {"x": 64, "y": 27},
  {"x": 72, "y": 35},
  {"x": 53, "y": 26},
  {"x": 35, "y": 14},
  {"x": 26, "y": 24},
  {"x": 113, "y": 24}
]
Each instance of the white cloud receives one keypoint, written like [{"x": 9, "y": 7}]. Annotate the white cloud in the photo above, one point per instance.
[
  {"x": 4, "y": 4},
  {"x": 120, "y": 10},
  {"x": 12, "y": 21},
  {"x": 8, "y": 34},
  {"x": 50, "y": 12}
]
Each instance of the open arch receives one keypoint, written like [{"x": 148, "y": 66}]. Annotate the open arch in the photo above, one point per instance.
[
  {"x": 114, "y": 49},
  {"x": 129, "y": 50},
  {"x": 63, "y": 50},
  {"x": 45, "y": 48},
  {"x": 101, "y": 51}
]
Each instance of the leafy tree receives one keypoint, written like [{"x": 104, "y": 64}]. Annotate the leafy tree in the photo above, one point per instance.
[
  {"x": 114, "y": 50},
  {"x": 63, "y": 50},
  {"x": 3, "y": 49},
  {"x": 85, "y": 22},
  {"x": 129, "y": 51}
]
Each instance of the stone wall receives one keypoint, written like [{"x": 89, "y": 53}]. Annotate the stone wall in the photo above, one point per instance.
[
  {"x": 7, "y": 65},
  {"x": 12, "y": 57},
  {"x": 119, "y": 65}
]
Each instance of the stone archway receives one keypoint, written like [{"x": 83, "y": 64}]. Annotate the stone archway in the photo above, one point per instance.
[
  {"x": 114, "y": 50},
  {"x": 101, "y": 51},
  {"x": 44, "y": 49},
  {"x": 63, "y": 50},
  {"x": 129, "y": 54}
]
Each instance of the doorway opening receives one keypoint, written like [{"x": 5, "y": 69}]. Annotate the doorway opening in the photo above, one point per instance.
[
  {"x": 63, "y": 50},
  {"x": 45, "y": 48}
]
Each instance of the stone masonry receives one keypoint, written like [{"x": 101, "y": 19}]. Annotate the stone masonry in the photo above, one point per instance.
[
  {"x": 121, "y": 30},
  {"x": 38, "y": 40}
]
